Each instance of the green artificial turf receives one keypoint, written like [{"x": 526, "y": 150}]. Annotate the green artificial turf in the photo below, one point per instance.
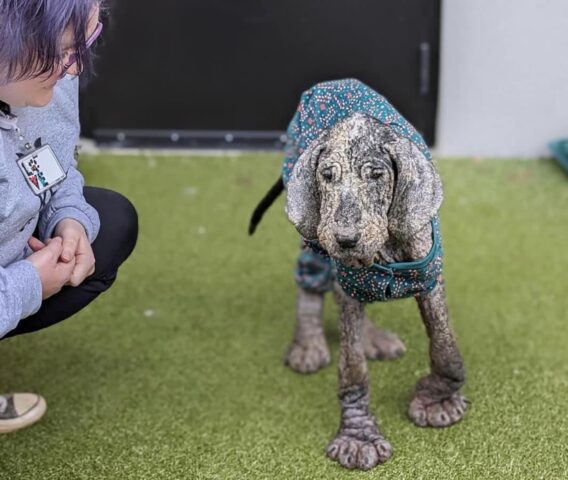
[{"x": 176, "y": 372}]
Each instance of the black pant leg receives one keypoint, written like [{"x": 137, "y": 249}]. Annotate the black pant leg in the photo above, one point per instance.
[{"x": 113, "y": 245}]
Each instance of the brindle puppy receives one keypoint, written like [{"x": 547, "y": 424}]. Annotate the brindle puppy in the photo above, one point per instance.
[{"x": 367, "y": 195}]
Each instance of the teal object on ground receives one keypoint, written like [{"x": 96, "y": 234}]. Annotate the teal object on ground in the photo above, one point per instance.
[{"x": 560, "y": 151}]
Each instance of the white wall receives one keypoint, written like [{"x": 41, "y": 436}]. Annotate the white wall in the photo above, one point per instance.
[{"x": 504, "y": 77}]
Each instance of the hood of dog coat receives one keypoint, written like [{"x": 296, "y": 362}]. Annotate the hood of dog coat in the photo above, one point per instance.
[{"x": 327, "y": 103}]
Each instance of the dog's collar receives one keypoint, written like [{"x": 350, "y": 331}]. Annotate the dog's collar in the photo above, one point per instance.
[
  {"x": 389, "y": 267},
  {"x": 380, "y": 282}
]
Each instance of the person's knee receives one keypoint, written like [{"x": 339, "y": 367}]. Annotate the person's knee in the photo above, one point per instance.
[
  {"x": 129, "y": 224},
  {"x": 118, "y": 232}
]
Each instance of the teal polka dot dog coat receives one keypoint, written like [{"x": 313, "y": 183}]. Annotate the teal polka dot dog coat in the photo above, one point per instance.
[{"x": 320, "y": 108}]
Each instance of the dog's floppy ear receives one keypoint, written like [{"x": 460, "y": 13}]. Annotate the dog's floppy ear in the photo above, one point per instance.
[
  {"x": 303, "y": 199},
  {"x": 417, "y": 194}
]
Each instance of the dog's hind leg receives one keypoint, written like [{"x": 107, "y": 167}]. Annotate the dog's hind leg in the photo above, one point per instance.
[
  {"x": 358, "y": 443},
  {"x": 308, "y": 351},
  {"x": 381, "y": 344},
  {"x": 437, "y": 401}
]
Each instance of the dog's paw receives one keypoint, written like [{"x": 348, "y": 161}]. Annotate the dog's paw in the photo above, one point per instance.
[
  {"x": 427, "y": 412},
  {"x": 382, "y": 344},
  {"x": 352, "y": 452},
  {"x": 308, "y": 358}
]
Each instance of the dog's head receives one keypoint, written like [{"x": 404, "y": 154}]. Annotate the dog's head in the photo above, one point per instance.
[{"x": 359, "y": 184}]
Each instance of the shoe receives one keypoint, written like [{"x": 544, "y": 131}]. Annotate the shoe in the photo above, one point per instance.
[{"x": 20, "y": 410}]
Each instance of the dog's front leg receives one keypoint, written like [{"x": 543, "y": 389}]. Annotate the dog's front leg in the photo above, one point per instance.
[
  {"x": 308, "y": 351},
  {"x": 358, "y": 443},
  {"x": 437, "y": 401}
]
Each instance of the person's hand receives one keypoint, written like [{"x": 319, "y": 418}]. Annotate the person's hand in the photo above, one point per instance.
[
  {"x": 76, "y": 247},
  {"x": 53, "y": 274}
]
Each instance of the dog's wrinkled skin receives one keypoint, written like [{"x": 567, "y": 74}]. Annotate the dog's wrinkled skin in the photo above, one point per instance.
[{"x": 368, "y": 195}]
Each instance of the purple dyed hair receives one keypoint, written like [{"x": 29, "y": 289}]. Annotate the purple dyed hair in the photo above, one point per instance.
[{"x": 31, "y": 32}]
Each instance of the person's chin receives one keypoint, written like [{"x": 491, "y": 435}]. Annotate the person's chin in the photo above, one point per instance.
[{"x": 42, "y": 99}]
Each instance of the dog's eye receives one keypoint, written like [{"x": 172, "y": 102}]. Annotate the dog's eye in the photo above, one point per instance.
[
  {"x": 327, "y": 174},
  {"x": 375, "y": 173},
  {"x": 372, "y": 172}
]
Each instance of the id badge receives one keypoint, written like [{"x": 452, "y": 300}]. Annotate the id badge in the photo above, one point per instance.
[{"x": 42, "y": 169}]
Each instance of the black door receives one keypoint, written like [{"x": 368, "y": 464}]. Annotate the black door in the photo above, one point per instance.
[{"x": 226, "y": 72}]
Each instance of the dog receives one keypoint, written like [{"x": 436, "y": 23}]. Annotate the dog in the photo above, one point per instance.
[{"x": 364, "y": 194}]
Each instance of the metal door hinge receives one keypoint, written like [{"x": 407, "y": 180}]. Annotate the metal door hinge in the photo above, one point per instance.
[{"x": 424, "y": 68}]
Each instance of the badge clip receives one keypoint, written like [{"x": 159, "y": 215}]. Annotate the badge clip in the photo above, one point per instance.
[{"x": 41, "y": 169}]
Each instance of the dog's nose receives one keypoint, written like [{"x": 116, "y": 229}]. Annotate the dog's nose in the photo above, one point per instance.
[{"x": 347, "y": 241}]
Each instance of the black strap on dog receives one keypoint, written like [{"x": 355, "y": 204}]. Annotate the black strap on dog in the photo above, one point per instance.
[{"x": 264, "y": 204}]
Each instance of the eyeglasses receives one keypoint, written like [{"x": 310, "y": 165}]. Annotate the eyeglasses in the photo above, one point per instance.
[{"x": 74, "y": 56}]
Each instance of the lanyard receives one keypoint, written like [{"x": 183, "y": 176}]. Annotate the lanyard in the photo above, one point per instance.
[{"x": 9, "y": 121}]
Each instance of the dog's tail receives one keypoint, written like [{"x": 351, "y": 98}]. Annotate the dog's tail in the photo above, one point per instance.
[{"x": 264, "y": 204}]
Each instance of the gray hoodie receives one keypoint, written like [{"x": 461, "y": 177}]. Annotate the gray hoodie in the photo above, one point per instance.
[{"x": 20, "y": 209}]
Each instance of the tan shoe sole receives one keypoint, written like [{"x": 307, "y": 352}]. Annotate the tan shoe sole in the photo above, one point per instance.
[{"x": 26, "y": 419}]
